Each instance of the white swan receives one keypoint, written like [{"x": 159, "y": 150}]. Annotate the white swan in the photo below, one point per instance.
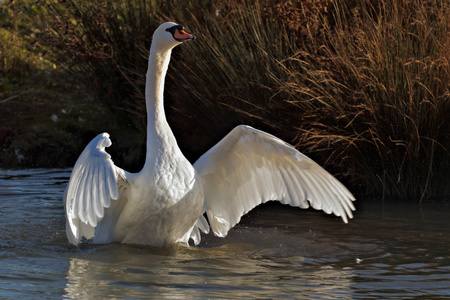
[{"x": 165, "y": 202}]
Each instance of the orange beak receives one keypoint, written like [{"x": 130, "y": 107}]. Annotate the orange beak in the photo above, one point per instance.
[{"x": 181, "y": 35}]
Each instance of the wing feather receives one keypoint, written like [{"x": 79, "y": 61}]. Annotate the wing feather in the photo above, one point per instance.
[
  {"x": 89, "y": 190},
  {"x": 103, "y": 187},
  {"x": 96, "y": 199},
  {"x": 112, "y": 181},
  {"x": 93, "y": 183},
  {"x": 249, "y": 167},
  {"x": 79, "y": 194}
]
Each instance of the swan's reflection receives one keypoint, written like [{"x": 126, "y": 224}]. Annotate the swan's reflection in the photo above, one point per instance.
[{"x": 231, "y": 270}]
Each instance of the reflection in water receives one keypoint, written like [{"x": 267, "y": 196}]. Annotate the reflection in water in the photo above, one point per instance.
[
  {"x": 387, "y": 250},
  {"x": 124, "y": 271}
]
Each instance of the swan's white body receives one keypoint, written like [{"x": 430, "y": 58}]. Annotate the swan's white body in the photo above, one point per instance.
[{"x": 165, "y": 202}]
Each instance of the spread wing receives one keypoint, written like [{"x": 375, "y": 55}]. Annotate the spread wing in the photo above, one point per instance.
[
  {"x": 249, "y": 167},
  {"x": 94, "y": 182}
]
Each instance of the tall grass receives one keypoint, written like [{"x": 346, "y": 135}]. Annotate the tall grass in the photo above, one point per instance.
[
  {"x": 393, "y": 63},
  {"x": 18, "y": 55},
  {"x": 362, "y": 87},
  {"x": 365, "y": 92}
]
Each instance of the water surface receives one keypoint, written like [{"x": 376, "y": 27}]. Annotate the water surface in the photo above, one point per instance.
[{"x": 387, "y": 250}]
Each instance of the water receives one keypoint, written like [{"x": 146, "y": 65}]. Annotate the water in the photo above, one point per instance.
[{"x": 394, "y": 250}]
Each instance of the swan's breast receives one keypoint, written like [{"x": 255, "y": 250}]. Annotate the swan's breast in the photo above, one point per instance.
[{"x": 162, "y": 206}]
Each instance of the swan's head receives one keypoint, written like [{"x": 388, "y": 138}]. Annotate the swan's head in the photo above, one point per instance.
[{"x": 169, "y": 35}]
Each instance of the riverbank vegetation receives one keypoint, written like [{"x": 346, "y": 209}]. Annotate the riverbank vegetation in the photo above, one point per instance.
[{"x": 360, "y": 86}]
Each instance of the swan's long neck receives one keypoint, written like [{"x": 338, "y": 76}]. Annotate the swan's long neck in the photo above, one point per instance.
[{"x": 160, "y": 139}]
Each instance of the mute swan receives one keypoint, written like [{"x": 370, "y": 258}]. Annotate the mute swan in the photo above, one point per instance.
[{"x": 166, "y": 201}]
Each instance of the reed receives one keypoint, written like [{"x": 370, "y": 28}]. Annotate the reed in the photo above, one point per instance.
[
  {"x": 392, "y": 64},
  {"x": 365, "y": 90},
  {"x": 362, "y": 87}
]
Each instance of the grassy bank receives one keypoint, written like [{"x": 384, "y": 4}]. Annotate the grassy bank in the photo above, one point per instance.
[
  {"x": 48, "y": 112},
  {"x": 360, "y": 86},
  {"x": 43, "y": 111}
]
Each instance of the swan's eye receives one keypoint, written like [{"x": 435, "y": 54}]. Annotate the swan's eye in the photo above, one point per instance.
[{"x": 173, "y": 29}]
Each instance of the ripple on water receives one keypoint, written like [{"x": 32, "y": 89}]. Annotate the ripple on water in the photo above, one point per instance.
[{"x": 393, "y": 250}]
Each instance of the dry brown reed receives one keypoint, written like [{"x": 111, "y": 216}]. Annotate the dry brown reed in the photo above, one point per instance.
[{"x": 361, "y": 86}]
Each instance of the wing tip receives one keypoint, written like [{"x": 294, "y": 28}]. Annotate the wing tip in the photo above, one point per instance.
[{"x": 219, "y": 226}]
